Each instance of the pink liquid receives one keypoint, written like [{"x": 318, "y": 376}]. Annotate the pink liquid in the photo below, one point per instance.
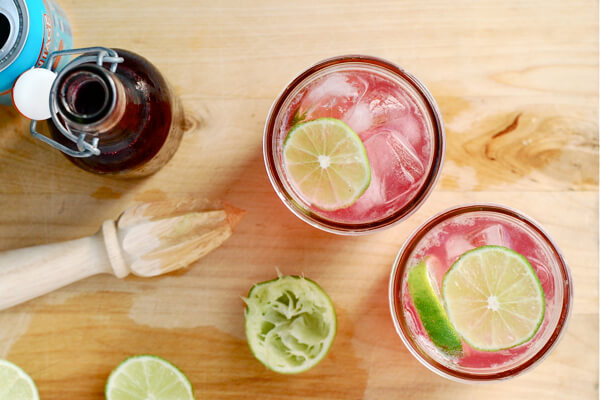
[
  {"x": 446, "y": 242},
  {"x": 391, "y": 124}
]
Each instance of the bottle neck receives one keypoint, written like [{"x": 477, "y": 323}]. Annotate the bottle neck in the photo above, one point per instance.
[{"x": 91, "y": 99}]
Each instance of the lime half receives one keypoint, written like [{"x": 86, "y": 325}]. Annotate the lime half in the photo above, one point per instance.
[
  {"x": 424, "y": 294},
  {"x": 15, "y": 383},
  {"x": 146, "y": 377},
  {"x": 290, "y": 323},
  {"x": 327, "y": 163},
  {"x": 494, "y": 298}
]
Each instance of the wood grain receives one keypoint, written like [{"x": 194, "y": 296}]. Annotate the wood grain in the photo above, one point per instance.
[{"x": 517, "y": 84}]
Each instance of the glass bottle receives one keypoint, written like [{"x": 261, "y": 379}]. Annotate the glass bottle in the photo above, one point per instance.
[{"x": 121, "y": 120}]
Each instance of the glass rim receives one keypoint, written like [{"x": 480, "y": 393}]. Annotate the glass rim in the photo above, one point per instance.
[
  {"x": 396, "y": 306},
  {"x": 439, "y": 147}
]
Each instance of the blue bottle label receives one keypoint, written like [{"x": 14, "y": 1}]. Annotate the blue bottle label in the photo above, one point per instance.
[{"x": 49, "y": 30}]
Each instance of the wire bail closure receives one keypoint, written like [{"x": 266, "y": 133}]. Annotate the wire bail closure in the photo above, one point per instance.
[{"x": 98, "y": 55}]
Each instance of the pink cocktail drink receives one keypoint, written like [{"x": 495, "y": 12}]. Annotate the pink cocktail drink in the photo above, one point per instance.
[
  {"x": 441, "y": 241},
  {"x": 391, "y": 125},
  {"x": 397, "y": 121}
]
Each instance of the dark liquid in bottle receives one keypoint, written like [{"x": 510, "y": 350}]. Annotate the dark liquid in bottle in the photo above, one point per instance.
[
  {"x": 90, "y": 98},
  {"x": 146, "y": 135}
]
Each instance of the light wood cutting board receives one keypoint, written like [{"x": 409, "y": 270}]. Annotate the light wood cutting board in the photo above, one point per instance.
[{"x": 517, "y": 84}]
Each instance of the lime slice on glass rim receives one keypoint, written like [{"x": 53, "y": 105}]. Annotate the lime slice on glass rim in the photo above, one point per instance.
[
  {"x": 15, "y": 383},
  {"x": 145, "y": 377},
  {"x": 425, "y": 296},
  {"x": 327, "y": 163},
  {"x": 290, "y": 323},
  {"x": 494, "y": 298}
]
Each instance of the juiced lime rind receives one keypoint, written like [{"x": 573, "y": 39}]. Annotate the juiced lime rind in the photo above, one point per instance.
[
  {"x": 346, "y": 180},
  {"x": 532, "y": 274},
  {"x": 431, "y": 311},
  {"x": 178, "y": 387},
  {"x": 290, "y": 323},
  {"x": 15, "y": 383}
]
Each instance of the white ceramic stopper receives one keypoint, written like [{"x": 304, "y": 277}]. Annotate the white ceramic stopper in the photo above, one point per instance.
[{"x": 31, "y": 93}]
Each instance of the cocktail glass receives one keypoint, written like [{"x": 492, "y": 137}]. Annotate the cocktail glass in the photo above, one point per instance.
[
  {"x": 397, "y": 120},
  {"x": 446, "y": 236}
]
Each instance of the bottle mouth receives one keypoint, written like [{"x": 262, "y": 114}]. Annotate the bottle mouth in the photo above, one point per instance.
[
  {"x": 14, "y": 30},
  {"x": 5, "y": 29},
  {"x": 86, "y": 94}
]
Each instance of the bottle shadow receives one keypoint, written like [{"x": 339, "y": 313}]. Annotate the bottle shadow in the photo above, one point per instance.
[{"x": 44, "y": 196}]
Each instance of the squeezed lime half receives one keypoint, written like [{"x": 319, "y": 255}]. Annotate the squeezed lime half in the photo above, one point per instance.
[
  {"x": 145, "y": 377},
  {"x": 290, "y": 323},
  {"x": 424, "y": 294},
  {"x": 15, "y": 383},
  {"x": 494, "y": 298},
  {"x": 327, "y": 163}
]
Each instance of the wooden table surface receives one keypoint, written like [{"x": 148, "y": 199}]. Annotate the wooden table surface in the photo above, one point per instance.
[{"x": 529, "y": 66}]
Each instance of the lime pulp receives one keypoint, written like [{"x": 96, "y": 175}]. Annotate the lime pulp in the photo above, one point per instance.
[{"x": 290, "y": 323}]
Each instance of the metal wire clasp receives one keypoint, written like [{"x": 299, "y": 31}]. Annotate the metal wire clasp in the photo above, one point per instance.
[{"x": 98, "y": 55}]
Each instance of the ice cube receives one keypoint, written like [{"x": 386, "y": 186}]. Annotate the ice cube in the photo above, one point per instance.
[
  {"x": 370, "y": 200},
  {"x": 541, "y": 265},
  {"x": 436, "y": 272},
  {"x": 394, "y": 163},
  {"x": 332, "y": 96},
  {"x": 359, "y": 117},
  {"x": 386, "y": 105},
  {"x": 456, "y": 245},
  {"x": 495, "y": 234},
  {"x": 393, "y": 108},
  {"x": 410, "y": 126},
  {"x": 335, "y": 85},
  {"x": 387, "y": 102}
]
